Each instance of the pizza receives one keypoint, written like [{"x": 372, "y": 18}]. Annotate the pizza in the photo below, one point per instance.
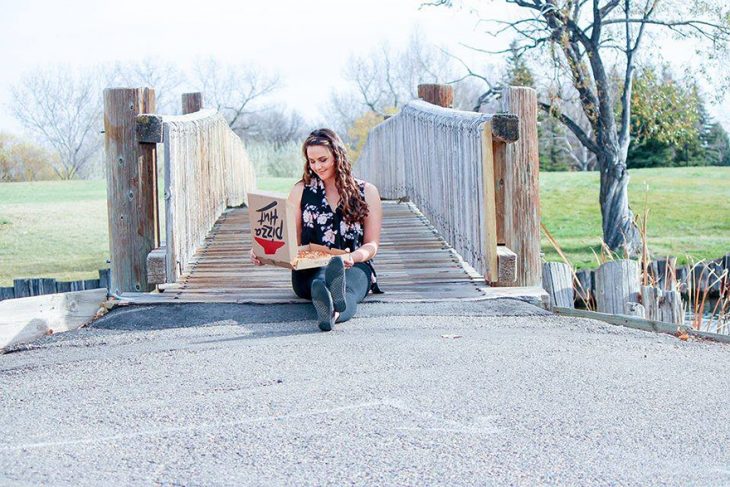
[{"x": 312, "y": 254}]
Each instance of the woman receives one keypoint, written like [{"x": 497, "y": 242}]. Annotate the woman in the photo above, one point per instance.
[{"x": 339, "y": 211}]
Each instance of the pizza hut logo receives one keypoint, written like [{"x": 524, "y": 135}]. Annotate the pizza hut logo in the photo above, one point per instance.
[{"x": 270, "y": 230}]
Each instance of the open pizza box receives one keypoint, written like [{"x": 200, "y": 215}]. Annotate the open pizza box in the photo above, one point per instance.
[{"x": 274, "y": 234}]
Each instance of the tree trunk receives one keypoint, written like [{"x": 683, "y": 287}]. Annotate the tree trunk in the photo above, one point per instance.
[{"x": 619, "y": 230}]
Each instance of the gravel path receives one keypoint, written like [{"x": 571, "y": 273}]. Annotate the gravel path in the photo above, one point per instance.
[{"x": 495, "y": 393}]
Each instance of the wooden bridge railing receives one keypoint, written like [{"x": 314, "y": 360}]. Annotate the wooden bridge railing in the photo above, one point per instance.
[
  {"x": 458, "y": 168},
  {"x": 206, "y": 169}
]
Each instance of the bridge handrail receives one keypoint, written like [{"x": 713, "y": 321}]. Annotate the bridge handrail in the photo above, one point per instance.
[
  {"x": 427, "y": 153},
  {"x": 206, "y": 170}
]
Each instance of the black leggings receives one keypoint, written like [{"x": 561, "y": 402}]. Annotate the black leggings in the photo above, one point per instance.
[{"x": 357, "y": 285}]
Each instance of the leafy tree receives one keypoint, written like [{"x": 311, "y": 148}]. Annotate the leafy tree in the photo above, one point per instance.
[
  {"x": 666, "y": 121},
  {"x": 518, "y": 72},
  {"x": 21, "y": 160},
  {"x": 582, "y": 39}
]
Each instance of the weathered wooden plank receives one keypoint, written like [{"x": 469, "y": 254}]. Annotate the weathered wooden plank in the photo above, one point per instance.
[
  {"x": 192, "y": 102},
  {"x": 488, "y": 211},
  {"x": 641, "y": 324},
  {"x": 42, "y": 285},
  {"x": 557, "y": 280},
  {"x": 156, "y": 266},
  {"x": 104, "y": 278},
  {"x": 149, "y": 128},
  {"x": 507, "y": 263},
  {"x": 617, "y": 283},
  {"x": 25, "y": 319},
  {"x": 440, "y": 95},
  {"x": 22, "y": 287},
  {"x": 63, "y": 286},
  {"x": 92, "y": 284},
  {"x": 506, "y": 127},
  {"x": 131, "y": 171},
  {"x": 520, "y": 173},
  {"x": 7, "y": 293}
]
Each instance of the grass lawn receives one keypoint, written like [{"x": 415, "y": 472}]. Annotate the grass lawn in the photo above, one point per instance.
[
  {"x": 59, "y": 228},
  {"x": 689, "y": 212}
]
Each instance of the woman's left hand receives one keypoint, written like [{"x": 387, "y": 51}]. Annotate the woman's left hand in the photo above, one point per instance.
[{"x": 347, "y": 260}]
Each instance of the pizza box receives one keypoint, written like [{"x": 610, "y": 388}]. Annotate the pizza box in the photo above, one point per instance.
[{"x": 274, "y": 234}]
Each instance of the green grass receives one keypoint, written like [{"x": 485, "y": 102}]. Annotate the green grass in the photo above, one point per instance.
[
  {"x": 59, "y": 228},
  {"x": 689, "y": 212}
]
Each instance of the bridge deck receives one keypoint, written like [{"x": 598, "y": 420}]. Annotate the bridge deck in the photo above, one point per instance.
[{"x": 414, "y": 264}]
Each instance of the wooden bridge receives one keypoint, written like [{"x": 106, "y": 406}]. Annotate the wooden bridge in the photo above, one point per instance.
[{"x": 460, "y": 194}]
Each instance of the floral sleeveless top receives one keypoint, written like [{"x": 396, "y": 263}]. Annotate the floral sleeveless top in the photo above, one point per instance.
[{"x": 321, "y": 225}]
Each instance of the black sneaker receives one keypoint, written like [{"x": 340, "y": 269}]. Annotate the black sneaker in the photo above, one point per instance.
[
  {"x": 334, "y": 276},
  {"x": 322, "y": 301}
]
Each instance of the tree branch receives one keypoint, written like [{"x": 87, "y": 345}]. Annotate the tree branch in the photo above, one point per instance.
[{"x": 587, "y": 142}]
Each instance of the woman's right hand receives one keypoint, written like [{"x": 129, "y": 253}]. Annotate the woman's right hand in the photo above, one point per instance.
[{"x": 255, "y": 260}]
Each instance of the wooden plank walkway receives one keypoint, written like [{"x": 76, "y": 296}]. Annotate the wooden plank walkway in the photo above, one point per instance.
[{"x": 413, "y": 264}]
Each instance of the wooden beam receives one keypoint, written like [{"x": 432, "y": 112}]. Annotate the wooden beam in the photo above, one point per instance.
[
  {"x": 519, "y": 171},
  {"x": 149, "y": 128},
  {"x": 489, "y": 220},
  {"x": 641, "y": 324},
  {"x": 131, "y": 174},
  {"x": 507, "y": 263},
  {"x": 557, "y": 280},
  {"x": 506, "y": 127},
  {"x": 441, "y": 95},
  {"x": 192, "y": 102},
  {"x": 25, "y": 319},
  {"x": 156, "y": 266}
]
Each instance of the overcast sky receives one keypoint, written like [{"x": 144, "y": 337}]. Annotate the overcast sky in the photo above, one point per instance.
[{"x": 307, "y": 42}]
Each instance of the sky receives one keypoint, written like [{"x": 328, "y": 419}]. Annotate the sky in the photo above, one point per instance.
[{"x": 306, "y": 42}]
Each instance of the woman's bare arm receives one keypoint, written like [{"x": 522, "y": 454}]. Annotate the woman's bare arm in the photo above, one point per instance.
[{"x": 373, "y": 223}]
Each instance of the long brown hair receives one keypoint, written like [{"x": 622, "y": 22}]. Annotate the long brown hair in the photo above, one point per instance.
[{"x": 354, "y": 207}]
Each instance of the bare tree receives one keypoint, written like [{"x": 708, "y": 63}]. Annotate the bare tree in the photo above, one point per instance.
[
  {"x": 277, "y": 126},
  {"x": 63, "y": 111},
  {"x": 385, "y": 78},
  {"x": 235, "y": 91},
  {"x": 585, "y": 35},
  {"x": 166, "y": 79}
]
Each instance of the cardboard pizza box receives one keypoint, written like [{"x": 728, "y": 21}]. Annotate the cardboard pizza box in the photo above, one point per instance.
[{"x": 274, "y": 234}]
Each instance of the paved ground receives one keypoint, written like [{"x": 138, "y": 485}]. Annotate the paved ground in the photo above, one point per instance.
[{"x": 231, "y": 395}]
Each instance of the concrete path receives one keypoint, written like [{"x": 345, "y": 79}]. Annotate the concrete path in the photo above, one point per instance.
[{"x": 490, "y": 393}]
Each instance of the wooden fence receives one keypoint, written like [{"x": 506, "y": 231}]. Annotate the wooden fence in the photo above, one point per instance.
[
  {"x": 455, "y": 167},
  {"x": 206, "y": 169},
  {"x": 38, "y": 286}
]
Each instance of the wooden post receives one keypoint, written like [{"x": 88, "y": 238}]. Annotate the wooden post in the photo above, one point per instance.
[
  {"x": 192, "y": 102},
  {"x": 517, "y": 168},
  {"x": 131, "y": 175},
  {"x": 489, "y": 222},
  {"x": 441, "y": 95},
  {"x": 617, "y": 283},
  {"x": 670, "y": 308},
  {"x": 650, "y": 297},
  {"x": 558, "y": 282},
  {"x": 667, "y": 273}
]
